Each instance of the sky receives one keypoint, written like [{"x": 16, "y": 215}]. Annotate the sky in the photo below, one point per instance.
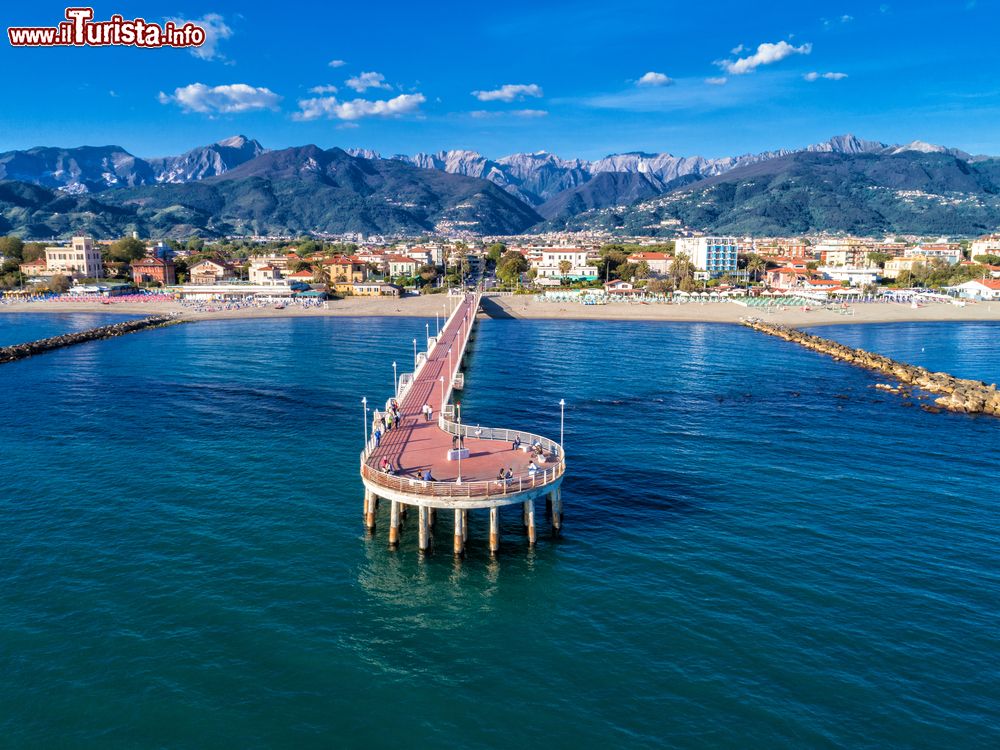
[{"x": 580, "y": 79}]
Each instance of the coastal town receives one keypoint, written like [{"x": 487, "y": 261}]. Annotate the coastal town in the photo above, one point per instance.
[{"x": 591, "y": 270}]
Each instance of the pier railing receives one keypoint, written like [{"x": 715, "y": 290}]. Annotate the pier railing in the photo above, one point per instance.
[{"x": 484, "y": 488}]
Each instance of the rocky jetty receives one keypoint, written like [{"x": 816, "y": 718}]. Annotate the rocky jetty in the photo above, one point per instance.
[
  {"x": 954, "y": 394},
  {"x": 20, "y": 351}
]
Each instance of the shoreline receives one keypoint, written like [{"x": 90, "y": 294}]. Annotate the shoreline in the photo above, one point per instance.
[{"x": 527, "y": 308}]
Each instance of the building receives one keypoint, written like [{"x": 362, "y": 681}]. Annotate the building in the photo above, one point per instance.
[
  {"x": 618, "y": 287},
  {"x": 980, "y": 289},
  {"x": 895, "y": 266},
  {"x": 989, "y": 245},
  {"x": 659, "y": 263},
  {"x": 402, "y": 265},
  {"x": 306, "y": 277},
  {"x": 35, "y": 268},
  {"x": 786, "y": 277},
  {"x": 350, "y": 269},
  {"x": 81, "y": 260},
  {"x": 713, "y": 255},
  {"x": 211, "y": 272},
  {"x": 949, "y": 252},
  {"x": 375, "y": 289},
  {"x": 548, "y": 262},
  {"x": 266, "y": 276},
  {"x": 153, "y": 270},
  {"x": 853, "y": 276}
]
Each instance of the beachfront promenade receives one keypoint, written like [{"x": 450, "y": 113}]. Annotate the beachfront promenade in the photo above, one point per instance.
[{"x": 443, "y": 463}]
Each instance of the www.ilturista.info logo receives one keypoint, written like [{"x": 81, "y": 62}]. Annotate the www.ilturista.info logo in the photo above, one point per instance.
[{"x": 80, "y": 30}]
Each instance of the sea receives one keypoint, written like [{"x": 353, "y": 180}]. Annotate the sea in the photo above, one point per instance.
[{"x": 760, "y": 550}]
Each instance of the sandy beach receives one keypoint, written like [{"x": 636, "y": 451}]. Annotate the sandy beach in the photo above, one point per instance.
[{"x": 528, "y": 308}]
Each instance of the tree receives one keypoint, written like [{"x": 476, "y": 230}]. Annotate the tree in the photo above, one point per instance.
[
  {"x": 495, "y": 251},
  {"x": 195, "y": 244},
  {"x": 989, "y": 259},
  {"x": 11, "y": 246},
  {"x": 126, "y": 249},
  {"x": 682, "y": 268},
  {"x": 511, "y": 266},
  {"x": 642, "y": 270},
  {"x": 59, "y": 283},
  {"x": 687, "y": 284},
  {"x": 656, "y": 286},
  {"x": 879, "y": 259},
  {"x": 427, "y": 273},
  {"x": 564, "y": 267},
  {"x": 756, "y": 265},
  {"x": 33, "y": 251}
]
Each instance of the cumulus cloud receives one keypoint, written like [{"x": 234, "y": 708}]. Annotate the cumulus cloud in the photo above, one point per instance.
[
  {"x": 509, "y": 92},
  {"x": 482, "y": 114},
  {"x": 229, "y": 99},
  {"x": 814, "y": 76},
  {"x": 325, "y": 89},
  {"x": 766, "y": 54},
  {"x": 720, "y": 81},
  {"x": 369, "y": 80},
  {"x": 330, "y": 108},
  {"x": 337, "y": 63},
  {"x": 216, "y": 29},
  {"x": 654, "y": 79}
]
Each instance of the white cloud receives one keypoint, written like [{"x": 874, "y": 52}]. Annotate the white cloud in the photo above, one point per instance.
[
  {"x": 337, "y": 63},
  {"x": 720, "y": 81},
  {"x": 325, "y": 89},
  {"x": 331, "y": 108},
  {"x": 509, "y": 92},
  {"x": 846, "y": 19},
  {"x": 737, "y": 49},
  {"x": 228, "y": 99},
  {"x": 814, "y": 76},
  {"x": 216, "y": 30},
  {"x": 529, "y": 113},
  {"x": 654, "y": 79},
  {"x": 766, "y": 54},
  {"x": 369, "y": 80}
]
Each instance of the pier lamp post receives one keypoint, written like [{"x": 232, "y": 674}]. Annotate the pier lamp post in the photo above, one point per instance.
[
  {"x": 437, "y": 323},
  {"x": 395, "y": 381},
  {"x": 442, "y": 393},
  {"x": 451, "y": 366},
  {"x": 562, "y": 423},
  {"x": 364, "y": 405},
  {"x": 414, "y": 355},
  {"x": 428, "y": 327}
]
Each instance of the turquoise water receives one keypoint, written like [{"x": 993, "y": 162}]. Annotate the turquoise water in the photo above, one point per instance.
[
  {"x": 966, "y": 351},
  {"x": 19, "y": 328},
  {"x": 760, "y": 550}
]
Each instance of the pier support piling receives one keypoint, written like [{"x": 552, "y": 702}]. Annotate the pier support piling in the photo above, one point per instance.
[
  {"x": 465, "y": 526},
  {"x": 529, "y": 515},
  {"x": 425, "y": 536},
  {"x": 494, "y": 530},
  {"x": 394, "y": 524},
  {"x": 459, "y": 532},
  {"x": 556, "y": 501},
  {"x": 370, "y": 511}
]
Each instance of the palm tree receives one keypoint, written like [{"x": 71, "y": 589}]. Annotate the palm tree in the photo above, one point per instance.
[{"x": 757, "y": 265}]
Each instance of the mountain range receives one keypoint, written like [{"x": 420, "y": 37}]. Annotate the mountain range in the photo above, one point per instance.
[{"x": 236, "y": 186}]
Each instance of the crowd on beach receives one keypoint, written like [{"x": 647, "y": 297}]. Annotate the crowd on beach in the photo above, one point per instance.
[
  {"x": 50, "y": 297},
  {"x": 211, "y": 306}
]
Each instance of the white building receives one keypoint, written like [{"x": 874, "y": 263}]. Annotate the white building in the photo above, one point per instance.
[
  {"x": 985, "y": 289},
  {"x": 266, "y": 275},
  {"x": 80, "y": 260},
  {"x": 714, "y": 255},
  {"x": 985, "y": 246},
  {"x": 548, "y": 262},
  {"x": 853, "y": 276}
]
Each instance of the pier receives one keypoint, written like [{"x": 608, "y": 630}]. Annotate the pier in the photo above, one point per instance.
[
  {"x": 442, "y": 465},
  {"x": 21, "y": 351},
  {"x": 954, "y": 394}
]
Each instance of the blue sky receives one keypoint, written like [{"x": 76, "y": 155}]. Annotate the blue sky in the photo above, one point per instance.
[{"x": 580, "y": 79}]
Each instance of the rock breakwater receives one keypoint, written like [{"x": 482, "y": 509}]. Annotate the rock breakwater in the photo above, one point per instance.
[
  {"x": 21, "y": 351},
  {"x": 954, "y": 394}
]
